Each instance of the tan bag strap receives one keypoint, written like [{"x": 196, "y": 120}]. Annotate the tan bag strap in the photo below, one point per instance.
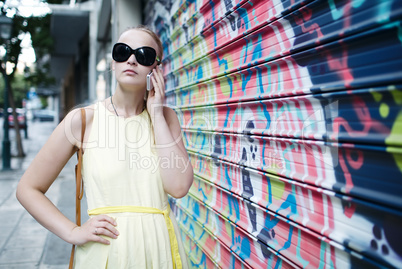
[{"x": 79, "y": 184}]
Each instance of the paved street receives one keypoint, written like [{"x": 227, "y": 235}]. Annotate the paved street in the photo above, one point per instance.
[{"x": 23, "y": 242}]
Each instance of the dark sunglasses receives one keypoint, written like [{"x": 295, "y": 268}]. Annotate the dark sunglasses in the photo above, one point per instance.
[{"x": 145, "y": 55}]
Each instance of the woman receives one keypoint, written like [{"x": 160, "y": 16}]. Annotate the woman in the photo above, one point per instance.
[{"x": 133, "y": 157}]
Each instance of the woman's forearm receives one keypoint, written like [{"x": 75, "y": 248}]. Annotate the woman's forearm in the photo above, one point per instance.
[
  {"x": 45, "y": 212},
  {"x": 176, "y": 170}
]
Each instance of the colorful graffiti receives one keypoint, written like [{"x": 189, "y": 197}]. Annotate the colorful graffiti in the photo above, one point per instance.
[{"x": 291, "y": 113}]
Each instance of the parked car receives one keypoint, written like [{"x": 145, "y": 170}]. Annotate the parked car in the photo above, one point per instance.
[
  {"x": 22, "y": 123},
  {"x": 43, "y": 115},
  {"x": 22, "y": 120}
]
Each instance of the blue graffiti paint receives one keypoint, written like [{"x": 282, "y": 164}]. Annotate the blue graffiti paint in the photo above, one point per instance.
[
  {"x": 244, "y": 52},
  {"x": 245, "y": 80},
  {"x": 186, "y": 143},
  {"x": 232, "y": 235},
  {"x": 257, "y": 52},
  {"x": 206, "y": 219},
  {"x": 384, "y": 12},
  {"x": 203, "y": 261},
  {"x": 201, "y": 190},
  {"x": 267, "y": 116},
  {"x": 289, "y": 202},
  {"x": 189, "y": 93},
  {"x": 184, "y": 60},
  {"x": 186, "y": 201},
  {"x": 269, "y": 76},
  {"x": 220, "y": 200},
  {"x": 245, "y": 248},
  {"x": 243, "y": 55},
  {"x": 270, "y": 260},
  {"x": 298, "y": 254},
  {"x": 200, "y": 73},
  {"x": 191, "y": 229},
  {"x": 256, "y": 22},
  {"x": 227, "y": 177},
  {"x": 260, "y": 85},
  {"x": 264, "y": 142},
  {"x": 222, "y": 62},
  {"x": 225, "y": 148},
  {"x": 203, "y": 139},
  {"x": 269, "y": 190},
  {"x": 188, "y": 75},
  {"x": 236, "y": 245},
  {"x": 322, "y": 255},
  {"x": 216, "y": 220},
  {"x": 202, "y": 235},
  {"x": 239, "y": 111},
  {"x": 339, "y": 13},
  {"x": 336, "y": 13},
  {"x": 215, "y": 42},
  {"x": 288, "y": 243},
  {"x": 234, "y": 208},
  {"x": 278, "y": 263},
  {"x": 212, "y": 5},
  {"x": 270, "y": 223},
  {"x": 232, "y": 261},
  {"x": 244, "y": 16},
  {"x": 183, "y": 95},
  {"x": 196, "y": 210},
  {"x": 225, "y": 124},
  {"x": 201, "y": 167},
  {"x": 229, "y": 81}
]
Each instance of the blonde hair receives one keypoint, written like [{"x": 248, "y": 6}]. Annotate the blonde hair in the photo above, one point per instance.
[{"x": 154, "y": 36}]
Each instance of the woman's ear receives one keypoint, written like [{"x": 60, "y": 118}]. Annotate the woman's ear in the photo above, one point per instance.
[{"x": 112, "y": 64}]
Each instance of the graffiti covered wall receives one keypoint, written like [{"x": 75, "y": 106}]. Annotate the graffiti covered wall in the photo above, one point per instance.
[{"x": 291, "y": 113}]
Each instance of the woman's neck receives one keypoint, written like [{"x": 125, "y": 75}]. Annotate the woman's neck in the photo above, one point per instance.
[{"x": 127, "y": 103}]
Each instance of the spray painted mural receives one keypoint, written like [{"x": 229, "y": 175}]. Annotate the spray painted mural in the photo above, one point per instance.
[{"x": 292, "y": 117}]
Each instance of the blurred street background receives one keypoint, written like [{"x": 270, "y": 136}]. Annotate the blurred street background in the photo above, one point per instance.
[
  {"x": 24, "y": 243},
  {"x": 54, "y": 55}
]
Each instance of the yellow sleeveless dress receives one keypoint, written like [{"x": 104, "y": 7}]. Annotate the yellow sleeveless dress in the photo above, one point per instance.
[{"x": 122, "y": 179}]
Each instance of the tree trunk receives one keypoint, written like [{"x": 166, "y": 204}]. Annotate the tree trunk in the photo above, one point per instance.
[{"x": 20, "y": 148}]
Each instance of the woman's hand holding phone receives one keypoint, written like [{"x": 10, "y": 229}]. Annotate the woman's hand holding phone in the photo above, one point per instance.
[
  {"x": 156, "y": 95},
  {"x": 150, "y": 85}
]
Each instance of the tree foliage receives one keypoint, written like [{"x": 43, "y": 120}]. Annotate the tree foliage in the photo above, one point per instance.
[
  {"x": 20, "y": 89},
  {"x": 42, "y": 42},
  {"x": 39, "y": 29}
]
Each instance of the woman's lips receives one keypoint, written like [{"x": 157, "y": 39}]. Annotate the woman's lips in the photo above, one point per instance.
[{"x": 130, "y": 71}]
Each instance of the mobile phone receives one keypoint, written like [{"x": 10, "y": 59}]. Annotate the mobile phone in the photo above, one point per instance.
[{"x": 150, "y": 85}]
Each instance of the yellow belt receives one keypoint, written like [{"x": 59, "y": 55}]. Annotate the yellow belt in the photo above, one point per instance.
[{"x": 140, "y": 209}]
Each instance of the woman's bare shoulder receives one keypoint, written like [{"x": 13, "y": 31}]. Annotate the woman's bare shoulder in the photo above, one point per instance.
[
  {"x": 74, "y": 118},
  {"x": 72, "y": 123}
]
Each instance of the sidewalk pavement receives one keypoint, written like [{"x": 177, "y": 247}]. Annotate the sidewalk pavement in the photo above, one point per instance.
[{"x": 24, "y": 243}]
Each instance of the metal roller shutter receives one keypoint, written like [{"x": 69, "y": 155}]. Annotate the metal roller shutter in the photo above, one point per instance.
[{"x": 292, "y": 117}]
